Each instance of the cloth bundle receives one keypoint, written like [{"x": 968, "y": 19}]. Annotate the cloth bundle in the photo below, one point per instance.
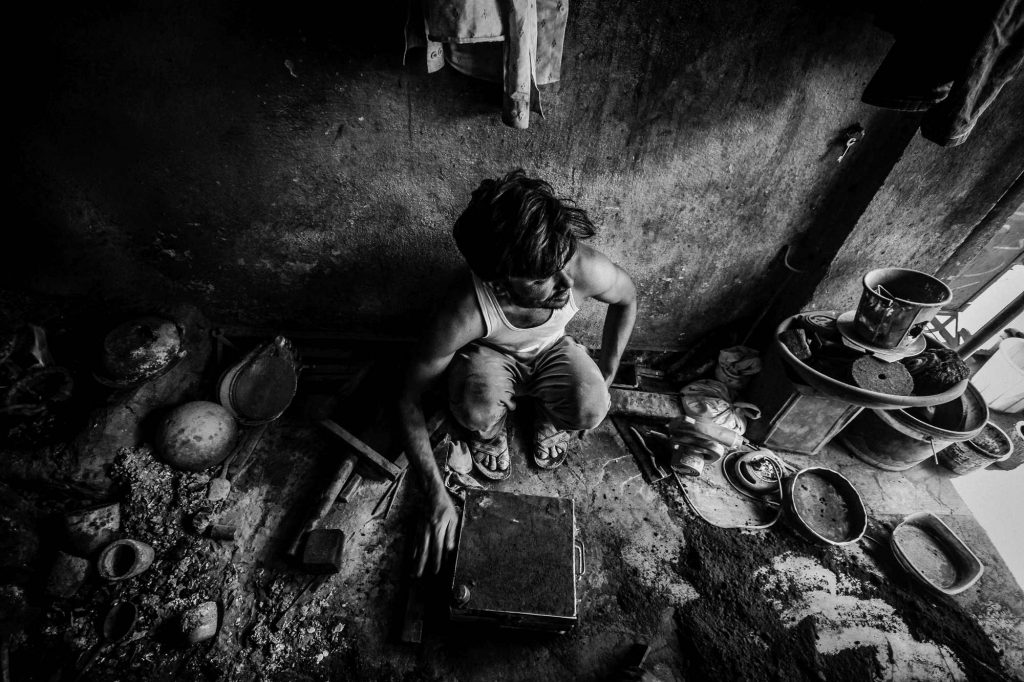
[{"x": 710, "y": 400}]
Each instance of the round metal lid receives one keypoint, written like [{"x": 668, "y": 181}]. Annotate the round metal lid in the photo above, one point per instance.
[{"x": 139, "y": 349}]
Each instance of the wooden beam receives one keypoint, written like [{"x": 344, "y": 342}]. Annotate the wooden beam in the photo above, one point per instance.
[{"x": 386, "y": 467}]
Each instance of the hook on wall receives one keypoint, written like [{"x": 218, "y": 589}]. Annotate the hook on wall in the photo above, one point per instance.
[{"x": 849, "y": 137}]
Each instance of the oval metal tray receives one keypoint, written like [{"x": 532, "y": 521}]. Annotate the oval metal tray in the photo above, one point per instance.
[
  {"x": 934, "y": 554},
  {"x": 853, "y": 394}
]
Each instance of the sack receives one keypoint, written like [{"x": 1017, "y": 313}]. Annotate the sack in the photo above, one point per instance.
[
  {"x": 736, "y": 365},
  {"x": 710, "y": 400}
]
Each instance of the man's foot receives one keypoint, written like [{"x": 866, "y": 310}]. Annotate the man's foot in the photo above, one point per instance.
[
  {"x": 491, "y": 457},
  {"x": 550, "y": 445}
]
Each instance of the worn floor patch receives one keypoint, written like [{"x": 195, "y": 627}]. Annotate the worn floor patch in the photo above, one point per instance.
[{"x": 845, "y": 620}]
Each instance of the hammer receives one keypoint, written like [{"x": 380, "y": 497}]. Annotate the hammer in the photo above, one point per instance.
[{"x": 322, "y": 552}]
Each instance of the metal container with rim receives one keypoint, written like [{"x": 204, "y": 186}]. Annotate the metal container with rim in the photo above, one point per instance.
[
  {"x": 855, "y": 395},
  {"x": 896, "y": 305},
  {"x": 969, "y": 455},
  {"x": 932, "y": 553},
  {"x": 260, "y": 387},
  {"x": 823, "y": 506},
  {"x": 897, "y": 440}
]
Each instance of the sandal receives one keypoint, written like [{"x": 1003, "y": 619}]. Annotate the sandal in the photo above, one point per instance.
[
  {"x": 550, "y": 445},
  {"x": 496, "y": 448}
]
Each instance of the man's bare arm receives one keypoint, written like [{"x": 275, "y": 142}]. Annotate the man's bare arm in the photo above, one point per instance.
[
  {"x": 458, "y": 323},
  {"x": 605, "y": 281}
]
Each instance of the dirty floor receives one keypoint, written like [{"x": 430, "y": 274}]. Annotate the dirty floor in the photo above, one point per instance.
[{"x": 713, "y": 603}]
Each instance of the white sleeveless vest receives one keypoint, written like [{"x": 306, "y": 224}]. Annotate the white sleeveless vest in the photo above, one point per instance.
[{"x": 523, "y": 344}]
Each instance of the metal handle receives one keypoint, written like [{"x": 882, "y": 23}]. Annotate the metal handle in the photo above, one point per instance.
[{"x": 578, "y": 545}]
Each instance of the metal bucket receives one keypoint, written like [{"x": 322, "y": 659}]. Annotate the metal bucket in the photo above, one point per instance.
[
  {"x": 896, "y": 304},
  {"x": 967, "y": 456},
  {"x": 897, "y": 440}
]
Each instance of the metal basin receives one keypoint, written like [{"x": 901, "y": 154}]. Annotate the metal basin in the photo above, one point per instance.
[{"x": 854, "y": 394}]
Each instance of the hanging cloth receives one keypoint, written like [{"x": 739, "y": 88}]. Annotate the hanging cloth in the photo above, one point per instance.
[
  {"x": 950, "y": 60},
  {"x": 467, "y": 34}
]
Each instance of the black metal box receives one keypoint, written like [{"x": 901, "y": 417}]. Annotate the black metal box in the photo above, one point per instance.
[{"x": 515, "y": 565}]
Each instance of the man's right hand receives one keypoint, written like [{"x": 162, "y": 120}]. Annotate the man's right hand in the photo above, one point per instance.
[{"x": 437, "y": 535}]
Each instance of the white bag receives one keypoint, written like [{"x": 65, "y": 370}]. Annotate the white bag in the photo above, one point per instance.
[{"x": 710, "y": 400}]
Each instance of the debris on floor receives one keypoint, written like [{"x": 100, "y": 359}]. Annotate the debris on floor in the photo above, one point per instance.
[{"x": 222, "y": 599}]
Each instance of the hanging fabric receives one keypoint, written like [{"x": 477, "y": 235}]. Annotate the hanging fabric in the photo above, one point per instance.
[
  {"x": 950, "y": 60},
  {"x": 515, "y": 42}
]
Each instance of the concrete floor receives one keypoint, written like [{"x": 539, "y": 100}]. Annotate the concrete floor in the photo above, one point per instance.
[{"x": 636, "y": 543}]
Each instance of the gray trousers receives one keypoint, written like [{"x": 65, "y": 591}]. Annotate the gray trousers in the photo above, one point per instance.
[{"x": 483, "y": 384}]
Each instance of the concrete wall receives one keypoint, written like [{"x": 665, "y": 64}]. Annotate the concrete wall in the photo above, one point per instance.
[
  {"x": 170, "y": 152},
  {"x": 935, "y": 204}
]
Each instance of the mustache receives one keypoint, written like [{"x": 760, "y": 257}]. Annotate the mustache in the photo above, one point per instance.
[{"x": 556, "y": 295}]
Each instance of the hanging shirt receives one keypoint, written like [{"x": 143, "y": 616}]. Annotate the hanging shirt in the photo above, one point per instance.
[
  {"x": 530, "y": 34},
  {"x": 950, "y": 60},
  {"x": 523, "y": 343}
]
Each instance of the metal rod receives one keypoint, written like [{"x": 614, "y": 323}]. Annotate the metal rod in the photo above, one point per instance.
[{"x": 991, "y": 328}]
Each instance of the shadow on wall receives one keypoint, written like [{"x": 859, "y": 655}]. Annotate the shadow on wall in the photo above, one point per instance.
[{"x": 280, "y": 165}]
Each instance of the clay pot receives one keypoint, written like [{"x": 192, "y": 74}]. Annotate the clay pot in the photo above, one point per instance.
[
  {"x": 92, "y": 528},
  {"x": 196, "y": 436},
  {"x": 123, "y": 559},
  {"x": 199, "y": 623},
  {"x": 66, "y": 576}
]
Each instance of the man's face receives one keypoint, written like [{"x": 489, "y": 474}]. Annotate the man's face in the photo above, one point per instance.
[{"x": 550, "y": 293}]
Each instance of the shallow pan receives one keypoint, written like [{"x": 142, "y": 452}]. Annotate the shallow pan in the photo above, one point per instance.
[
  {"x": 823, "y": 506},
  {"x": 260, "y": 387},
  {"x": 931, "y": 552}
]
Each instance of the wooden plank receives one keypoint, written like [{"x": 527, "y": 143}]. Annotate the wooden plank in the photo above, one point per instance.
[
  {"x": 387, "y": 468},
  {"x": 355, "y": 481}
]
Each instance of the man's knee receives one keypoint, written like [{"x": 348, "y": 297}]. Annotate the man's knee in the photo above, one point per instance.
[
  {"x": 477, "y": 418},
  {"x": 588, "y": 410}
]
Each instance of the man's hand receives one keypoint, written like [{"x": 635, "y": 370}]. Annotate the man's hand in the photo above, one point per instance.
[{"x": 437, "y": 535}]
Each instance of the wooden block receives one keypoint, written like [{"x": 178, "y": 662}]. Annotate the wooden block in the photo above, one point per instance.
[
  {"x": 323, "y": 550},
  {"x": 351, "y": 487},
  {"x": 412, "y": 619},
  {"x": 386, "y": 467}
]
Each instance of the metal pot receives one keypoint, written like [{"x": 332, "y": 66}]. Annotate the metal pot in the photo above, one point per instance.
[{"x": 822, "y": 506}]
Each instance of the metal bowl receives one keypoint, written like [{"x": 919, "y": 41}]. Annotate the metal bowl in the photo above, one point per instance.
[
  {"x": 138, "y": 350},
  {"x": 855, "y": 395},
  {"x": 823, "y": 506},
  {"x": 260, "y": 387}
]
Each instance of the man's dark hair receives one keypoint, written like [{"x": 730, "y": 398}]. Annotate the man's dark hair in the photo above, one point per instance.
[{"x": 515, "y": 226}]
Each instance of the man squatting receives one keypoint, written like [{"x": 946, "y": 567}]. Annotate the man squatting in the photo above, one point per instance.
[{"x": 500, "y": 335}]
